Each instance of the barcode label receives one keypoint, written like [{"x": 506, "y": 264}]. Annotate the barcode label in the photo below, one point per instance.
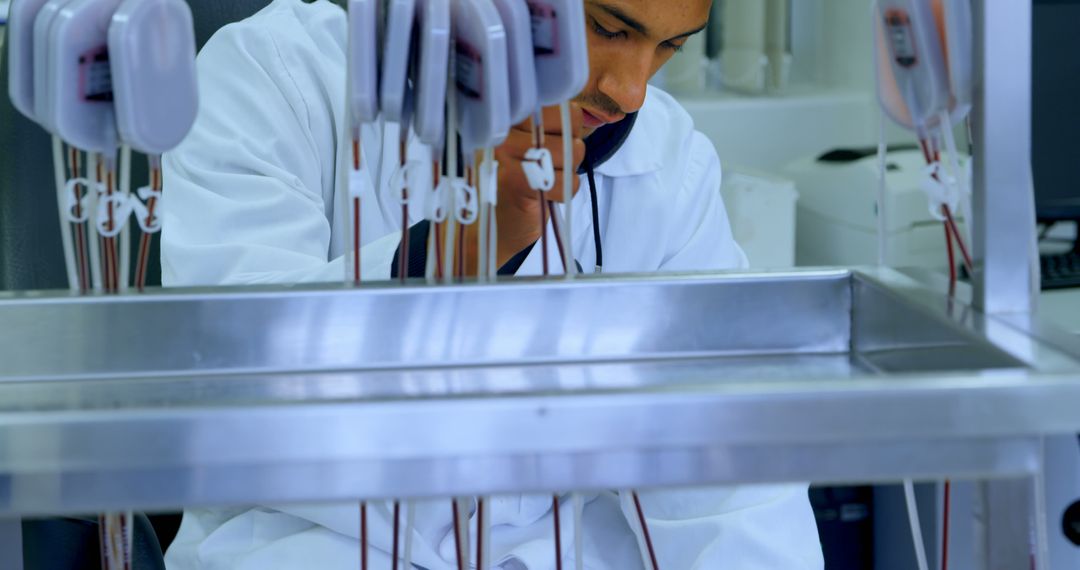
[
  {"x": 95, "y": 76},
  {"x": 469, "y": 67}
]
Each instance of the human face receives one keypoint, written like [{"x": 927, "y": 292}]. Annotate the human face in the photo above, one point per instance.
[{"x": 629, "y": 40}]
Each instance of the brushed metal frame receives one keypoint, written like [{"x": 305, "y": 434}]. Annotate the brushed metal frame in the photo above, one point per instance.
[
  {"x": 1005, "y": 249},
  {"x": 284, "y": 329},
  {"x": 828, "y": 384},
  {"x": 553, "y": 404}
]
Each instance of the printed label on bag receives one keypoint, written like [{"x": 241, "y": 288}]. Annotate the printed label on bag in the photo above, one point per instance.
[
  {"x": 469, "y": 67},
  {"x": 95, "y": 76},
  {"x": 545, "y": 31}
]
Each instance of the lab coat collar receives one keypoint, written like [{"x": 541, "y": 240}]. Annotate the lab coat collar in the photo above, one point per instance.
[{"x": 638, "y": 154}]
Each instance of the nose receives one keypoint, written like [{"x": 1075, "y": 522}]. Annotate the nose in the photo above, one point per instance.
[{"x": 625, "y": 83}]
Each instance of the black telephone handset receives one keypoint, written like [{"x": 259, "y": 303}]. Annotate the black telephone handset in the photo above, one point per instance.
[
  {"x": 605, "y": 142},
  {"x": 599, "y": 147}
]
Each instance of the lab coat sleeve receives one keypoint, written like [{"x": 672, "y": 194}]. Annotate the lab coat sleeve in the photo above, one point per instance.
[
  {"x": 244, "y": 198},
  {"x": 702, "y": 239}
]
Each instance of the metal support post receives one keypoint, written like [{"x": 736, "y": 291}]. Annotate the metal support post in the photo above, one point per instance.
[
  {"x": 1008, "y": 505},
  {"x": 1005, "y": 248}
]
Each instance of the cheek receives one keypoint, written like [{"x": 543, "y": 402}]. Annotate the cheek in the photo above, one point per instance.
[
  {"x": 600, "y": 51},
  {"x": 603, "y": 54},
  {"x": 661, "y": 58}
]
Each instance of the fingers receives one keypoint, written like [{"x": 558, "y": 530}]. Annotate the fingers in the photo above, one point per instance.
[
  {"x": 553, "y": 121},
  {"x": 512, "y": 179},
  {"x": 517, "y": 144},
  {"x": 511, "y": 175},
  {"x": 577, "y": 120},
  {"x": 579, "y": 153},
  {"x": 556, "y": 193}
]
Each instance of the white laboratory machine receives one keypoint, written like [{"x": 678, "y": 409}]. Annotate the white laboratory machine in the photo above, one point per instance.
[
  {"x": 761, "y": 207},
  {"x": 837, "y": 210}
]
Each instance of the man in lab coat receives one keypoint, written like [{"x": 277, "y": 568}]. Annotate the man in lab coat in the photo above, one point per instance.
[{"x": 250, "y": 198}]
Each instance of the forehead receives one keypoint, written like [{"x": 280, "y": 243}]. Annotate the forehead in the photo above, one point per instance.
[{"x": 662, "y": 18}]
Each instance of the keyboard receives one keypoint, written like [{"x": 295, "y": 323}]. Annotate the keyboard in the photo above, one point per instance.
[{"x": 1060, "y": 271}]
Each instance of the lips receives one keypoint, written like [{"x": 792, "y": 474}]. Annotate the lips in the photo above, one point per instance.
[{"x": 595, "y": 120}]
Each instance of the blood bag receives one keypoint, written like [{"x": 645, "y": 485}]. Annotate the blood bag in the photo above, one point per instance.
[
  {"x": 430, "y": 70},
  {"x": 20, "y": 39},
  {"x": 42, "y": 57},
  {"x": 481, "y": 74},
  {"x": 397, "y": 56},
  {"x": 80, "y": 75},
  {"x": 560, "y": 48},
  {"x": 912, "y": 81},
  {"x": 960, "y": 50},
  {"x": 152, "y": 53},
  {"x": 363, "y": 60},
  {"x": 519, "y": 50}
]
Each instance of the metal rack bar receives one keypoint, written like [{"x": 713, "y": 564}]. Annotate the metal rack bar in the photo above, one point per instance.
[
  {"x": 1003, "y": 224},
  {"x": 886, "y": 381}
]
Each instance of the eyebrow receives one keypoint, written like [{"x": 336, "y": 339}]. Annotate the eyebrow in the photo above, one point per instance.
[{"x": 637, "y": 26}]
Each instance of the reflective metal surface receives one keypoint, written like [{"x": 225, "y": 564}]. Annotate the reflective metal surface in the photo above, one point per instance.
[
  {"x": 275, "y": 329},
  {"x": 640, "y": 382},
  {"x": 275, "y": 395},
  {"x": 1003, "y": 228}
]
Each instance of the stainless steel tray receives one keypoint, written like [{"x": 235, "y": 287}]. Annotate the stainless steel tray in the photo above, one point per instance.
[{"x": 275, "y": 395}]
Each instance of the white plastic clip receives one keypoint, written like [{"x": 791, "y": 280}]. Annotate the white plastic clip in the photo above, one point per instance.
[
  {"x": 142, "y": 213},
  {"x": 466, "y": 203},
  {"x": 121, "y": 209},
  {"x": 941, "y": 189},
  {"x": 438, "y": 208},
  {"x": 76, "y": 203},
  {"x": 404, "y": 178},
  {"x": 359, "y": 183},
  {"x": 539, "y": 169}
]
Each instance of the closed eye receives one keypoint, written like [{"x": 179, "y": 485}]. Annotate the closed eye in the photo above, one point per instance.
[
  {"x": 672, "y": 46},
  {"x": 605, "y": 33}
]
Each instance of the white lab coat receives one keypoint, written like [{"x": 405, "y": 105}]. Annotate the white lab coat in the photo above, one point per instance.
[{"x": 250, "y": 198}]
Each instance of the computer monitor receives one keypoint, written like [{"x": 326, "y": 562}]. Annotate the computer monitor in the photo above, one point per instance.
[{"x": 1056, "y": 109}]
